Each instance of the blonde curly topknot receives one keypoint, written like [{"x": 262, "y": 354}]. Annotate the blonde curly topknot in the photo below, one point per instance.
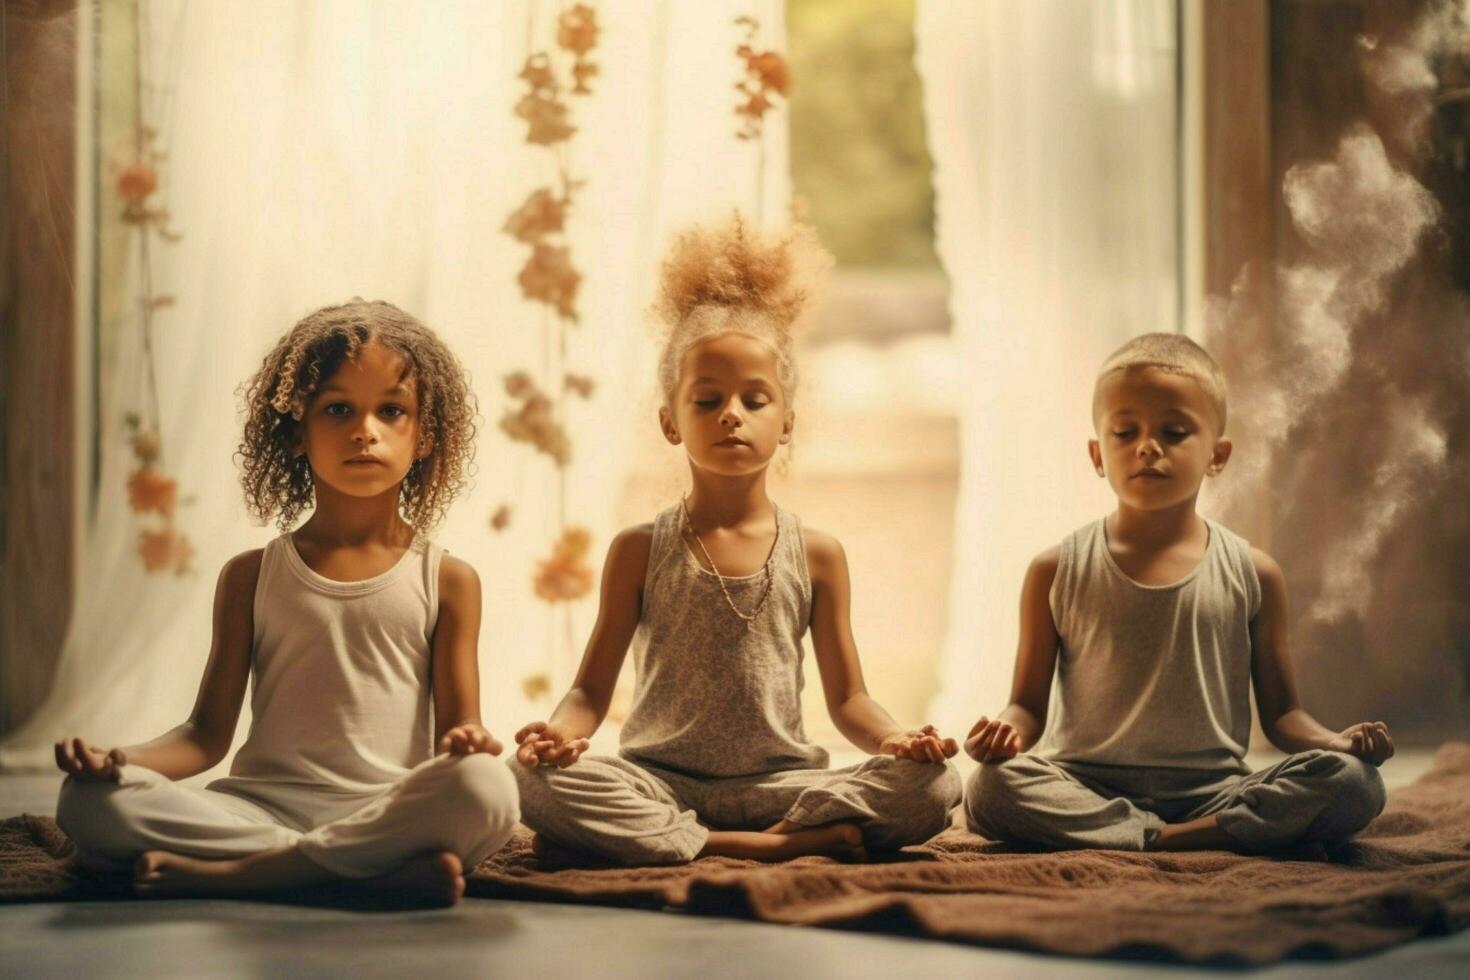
[
  {"x": 730, "y": 278},
  {"x": 278, "y": 483}
]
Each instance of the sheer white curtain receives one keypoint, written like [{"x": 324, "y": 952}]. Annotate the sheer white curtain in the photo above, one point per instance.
[
  {"x": 325, "y": 149},
  {"x": 1052, "y": 128}
]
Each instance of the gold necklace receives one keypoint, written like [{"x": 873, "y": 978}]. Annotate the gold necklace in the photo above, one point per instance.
[{"x": 765, "y": 594}]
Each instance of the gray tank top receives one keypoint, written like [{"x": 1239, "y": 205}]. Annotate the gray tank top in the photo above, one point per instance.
[
  {"x": 340, "y": 675},
  {"x": 713, "y": 696},
  {"x": 1152, "y": 675}
]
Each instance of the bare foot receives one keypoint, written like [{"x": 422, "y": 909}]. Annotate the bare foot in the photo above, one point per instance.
[
  {"x": 429, "y": 879},
  {"x": 1200, "y": 834},
  {"x": 162, "y": 874},
  {"x": 843, "y": 841},
  {"x": 553, "y": 854},
  {"x": 425, "y": 879}
]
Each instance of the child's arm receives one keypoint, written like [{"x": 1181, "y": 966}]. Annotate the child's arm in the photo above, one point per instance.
[
  {"x": 456, "y": 659},
  {"x": 1285, "y": 722},
  {"x": 857, "y": 716},
  {"x": 563, "y": 739},
  {"x": 1018, "y": 727},
  {"x": 202, "y": 741}
]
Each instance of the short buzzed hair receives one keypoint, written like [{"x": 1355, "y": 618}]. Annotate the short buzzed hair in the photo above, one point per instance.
[{"x": 1172, "y": 352}]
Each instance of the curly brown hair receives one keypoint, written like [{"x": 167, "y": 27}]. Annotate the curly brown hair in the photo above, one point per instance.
[
  {"x": 729, "y": 278},
  {"x": 278, "y": 482}
]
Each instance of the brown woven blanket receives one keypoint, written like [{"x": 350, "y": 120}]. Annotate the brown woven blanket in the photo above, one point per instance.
[{"x": 1407, "y": 875}]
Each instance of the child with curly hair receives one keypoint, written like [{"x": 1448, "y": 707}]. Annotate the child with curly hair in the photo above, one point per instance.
[
  {"x": 715, "y": 596},
  {"x": 348, "y": 629}
]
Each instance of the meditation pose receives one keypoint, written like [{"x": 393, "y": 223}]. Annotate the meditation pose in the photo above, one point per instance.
[
  {"x": 1156, "y": 623},
  {"x": 715, "y": 596},
  {"x": 348, "y": 629}
]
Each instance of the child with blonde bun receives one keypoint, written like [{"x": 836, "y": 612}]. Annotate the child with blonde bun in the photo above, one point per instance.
[{"x": 715, "y": 596}]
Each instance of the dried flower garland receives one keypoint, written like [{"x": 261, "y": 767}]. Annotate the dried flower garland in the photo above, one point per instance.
[
  {"x": 534, "y": 422},
  {"x": 536, "y": 686},
  {"x": 551, "y": 278},
  {"x": 162, "y": 547},
  {"x": 566, "y": 574},
  {"x": 151, "y": 491},
  {"x": 766, "y": 77}
]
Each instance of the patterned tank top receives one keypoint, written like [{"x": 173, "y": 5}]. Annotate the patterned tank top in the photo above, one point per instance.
[{"x": 714, "y": 696}]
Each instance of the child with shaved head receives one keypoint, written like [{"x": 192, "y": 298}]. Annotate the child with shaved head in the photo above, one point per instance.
[{"x": 1155, "y": 624}]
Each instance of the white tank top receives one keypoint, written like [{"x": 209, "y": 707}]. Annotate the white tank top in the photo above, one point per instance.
[
  {"x": 1152, "y": 675},
  {"x": 340, "y": 675}
]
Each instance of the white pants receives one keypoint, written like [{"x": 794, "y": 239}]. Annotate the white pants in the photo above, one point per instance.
[{"x": 467, "y": 805}]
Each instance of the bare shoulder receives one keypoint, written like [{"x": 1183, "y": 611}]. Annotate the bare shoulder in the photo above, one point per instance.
[
  {"x": 639, "y": 535},
  {"x": 630, "y": 541},
  {"x": 234, "y": 595},
  {"x": 628, "y": 552},
  {"x": 625, "y": 569},
  {"x": 1043, "y": 567},
  {"x": 1268, "y": 571},
  {"x": 458, "y": 580},
  {"x": 239, "y": 574},
  {"x": 1048, "y": 560},
  {"x": 824, "y": 553}
]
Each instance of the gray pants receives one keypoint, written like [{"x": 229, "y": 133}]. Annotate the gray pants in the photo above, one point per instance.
[
  {"x": 1311, "y": 796},
  {"x": 636, "y": 814}
]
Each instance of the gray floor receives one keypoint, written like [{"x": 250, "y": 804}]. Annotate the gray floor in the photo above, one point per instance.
[{"x": 484, "y": 938}]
